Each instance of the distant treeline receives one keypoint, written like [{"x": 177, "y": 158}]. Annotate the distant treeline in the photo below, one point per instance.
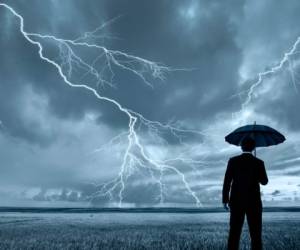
[{"x": 132, "y": 210}]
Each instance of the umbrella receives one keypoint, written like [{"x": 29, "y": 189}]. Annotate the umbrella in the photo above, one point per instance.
[{"x": 263, "y": 135}]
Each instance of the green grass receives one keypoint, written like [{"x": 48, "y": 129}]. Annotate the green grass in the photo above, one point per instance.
[{"x": 42, "y": 232}]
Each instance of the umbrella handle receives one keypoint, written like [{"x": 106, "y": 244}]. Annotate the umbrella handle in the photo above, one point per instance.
[{"x": 254, "y": 137}]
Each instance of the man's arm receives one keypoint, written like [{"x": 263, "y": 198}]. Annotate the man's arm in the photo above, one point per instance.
[
  {"x": 262, "y": 174},
  {"x": 227, "y": 182}
]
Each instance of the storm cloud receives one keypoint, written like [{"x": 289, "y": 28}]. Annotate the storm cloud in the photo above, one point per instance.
[{"x": 49, "y": 131}]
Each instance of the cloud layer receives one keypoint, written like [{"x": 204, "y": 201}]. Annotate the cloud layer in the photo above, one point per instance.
[{"x": 49, "y": 131}]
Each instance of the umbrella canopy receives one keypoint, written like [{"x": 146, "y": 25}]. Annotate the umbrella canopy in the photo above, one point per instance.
[{"x": 264, "y": 136}]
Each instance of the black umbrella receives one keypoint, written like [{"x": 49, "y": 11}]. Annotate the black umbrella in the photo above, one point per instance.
[{"x": 263, "y": 135}]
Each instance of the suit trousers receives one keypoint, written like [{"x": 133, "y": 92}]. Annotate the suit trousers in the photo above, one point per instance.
[{"x": 254, "y": 219}]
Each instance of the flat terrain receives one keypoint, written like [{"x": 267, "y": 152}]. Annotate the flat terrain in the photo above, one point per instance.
[{"x": 115, "y": 230}]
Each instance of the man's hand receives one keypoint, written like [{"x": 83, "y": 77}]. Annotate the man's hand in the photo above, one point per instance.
[{"x": 225, "y": 205}]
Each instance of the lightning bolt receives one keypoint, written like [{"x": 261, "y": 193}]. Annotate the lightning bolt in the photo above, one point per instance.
[
  {"x": 135, "y": 155},
  {"x": 285, "y": 61}
]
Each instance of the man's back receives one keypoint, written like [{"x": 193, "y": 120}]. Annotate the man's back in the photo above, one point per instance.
[{"x": 243, "y": 175}]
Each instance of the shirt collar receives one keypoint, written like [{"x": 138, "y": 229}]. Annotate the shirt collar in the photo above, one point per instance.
[{"x": 247, "y": 152}]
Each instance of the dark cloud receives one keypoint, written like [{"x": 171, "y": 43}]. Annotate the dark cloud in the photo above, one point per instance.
[
  {"x": 276, "y": 193},
  {"x": 48, "y": 128},
  {"x": 170, "y": 43}
]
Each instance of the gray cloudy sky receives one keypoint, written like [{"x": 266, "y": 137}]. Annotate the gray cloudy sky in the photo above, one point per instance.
[{"x": 49, "y": 131}]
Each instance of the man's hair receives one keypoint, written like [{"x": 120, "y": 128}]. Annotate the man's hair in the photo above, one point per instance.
[{"x": 248, "y": 144}]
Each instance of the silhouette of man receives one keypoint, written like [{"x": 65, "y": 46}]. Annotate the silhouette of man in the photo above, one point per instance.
[{"x": 242, "y": 178}]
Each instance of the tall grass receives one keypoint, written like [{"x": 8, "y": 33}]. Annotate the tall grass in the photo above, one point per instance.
[{"x": 41, "y": 233}]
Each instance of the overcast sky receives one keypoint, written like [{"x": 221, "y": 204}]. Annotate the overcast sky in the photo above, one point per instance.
[{"x": 51, "y": 134}]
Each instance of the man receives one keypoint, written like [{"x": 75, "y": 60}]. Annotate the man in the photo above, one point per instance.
[{"x": 242, "y": 178}]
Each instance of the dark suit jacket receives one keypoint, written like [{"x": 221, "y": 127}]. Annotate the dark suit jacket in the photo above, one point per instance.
[{"x": 242, "y": 178}]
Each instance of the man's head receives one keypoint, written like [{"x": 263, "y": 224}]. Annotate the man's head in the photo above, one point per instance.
[{"x": 248, "y": 144}]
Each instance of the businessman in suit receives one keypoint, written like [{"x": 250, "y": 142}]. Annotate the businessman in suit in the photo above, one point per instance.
[{"x": 242, "y": 180}]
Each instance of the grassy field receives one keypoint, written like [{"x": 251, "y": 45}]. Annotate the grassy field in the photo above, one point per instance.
[{"x": 138, "y": 231}]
